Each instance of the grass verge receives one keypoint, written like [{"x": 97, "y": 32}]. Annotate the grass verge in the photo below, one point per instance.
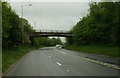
[
  {"x": 10, "y": 56},
  {"x": 96, "y": 49}
]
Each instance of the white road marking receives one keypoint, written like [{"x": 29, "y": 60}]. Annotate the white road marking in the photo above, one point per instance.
[
  {"x": 63, "y": 52},
  {"x": 67, "y": 70},
  {"x": 49, "y": 56},
  {"x": 59, "y": 63}
]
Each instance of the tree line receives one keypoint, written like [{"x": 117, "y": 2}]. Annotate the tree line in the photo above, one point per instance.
[
  {"x": 100, "y": 26},
  {"x": 15, "y": 30}
]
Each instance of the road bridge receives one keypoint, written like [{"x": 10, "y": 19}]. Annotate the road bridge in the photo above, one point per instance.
[{"x": 51, "y": 33}]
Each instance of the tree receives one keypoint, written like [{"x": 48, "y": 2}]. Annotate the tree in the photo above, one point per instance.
[
  {"x": 15, "y": 29},
  {"x": 100, "y": 26}
]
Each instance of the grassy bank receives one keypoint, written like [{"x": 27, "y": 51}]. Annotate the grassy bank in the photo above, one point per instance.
[
  {"x": 96, "y": 49},
  {"x": 10, "y": 56}
]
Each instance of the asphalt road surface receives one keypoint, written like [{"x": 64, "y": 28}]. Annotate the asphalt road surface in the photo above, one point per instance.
[{"x": 51, "y": 61}]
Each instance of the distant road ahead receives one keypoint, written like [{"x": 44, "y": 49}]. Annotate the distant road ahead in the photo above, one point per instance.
[{"x": 51, "y": 61}]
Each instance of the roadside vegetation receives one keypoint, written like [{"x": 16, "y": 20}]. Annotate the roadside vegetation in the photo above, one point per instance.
[
  {"x": 10, "y": 56},
  {"x": 101, "y": 27},
  {"x": 0, "y": 38},
  {"x": 16, "y": 41}
]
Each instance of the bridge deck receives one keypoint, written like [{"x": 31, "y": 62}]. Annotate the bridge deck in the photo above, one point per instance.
[{"x": 47, "y": 33}]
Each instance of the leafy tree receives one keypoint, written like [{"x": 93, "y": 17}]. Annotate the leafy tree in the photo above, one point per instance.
[
  {"x": 15, "y": 29},
  {"x": 100, "y": 26},
  {"x": 45, "y": 41}
]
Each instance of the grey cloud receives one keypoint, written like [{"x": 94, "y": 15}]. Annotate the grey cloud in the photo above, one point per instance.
[
  {"x": 49, "y": 14},
  {"x": 52, "y": 15}
]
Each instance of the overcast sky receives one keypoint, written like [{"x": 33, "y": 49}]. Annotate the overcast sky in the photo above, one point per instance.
[{"x": 52, "y": 15}]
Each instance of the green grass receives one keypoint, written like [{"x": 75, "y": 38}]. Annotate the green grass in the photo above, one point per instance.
[
  {"x": 10, "y": 56},
  {"x": 96, "y": 49}
]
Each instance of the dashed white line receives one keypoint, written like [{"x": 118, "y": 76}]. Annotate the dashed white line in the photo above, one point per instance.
[
  {"x": 49, "y": 56},
  {"x": 68, "y": 70},
  {"x": 59, "y": 63},
  {"x": 63, "y": 52}
]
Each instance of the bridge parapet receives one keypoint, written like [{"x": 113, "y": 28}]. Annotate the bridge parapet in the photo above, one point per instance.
[
  {"x": 46, "y": 33},
  {"x": 52, "y": 31}
]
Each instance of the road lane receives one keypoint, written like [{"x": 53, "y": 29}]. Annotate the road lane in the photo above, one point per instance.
[
  {"x": 94, "y": 60},
  {"x": 95, "y": 56},
  {"x": 57, "y": 62}
]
